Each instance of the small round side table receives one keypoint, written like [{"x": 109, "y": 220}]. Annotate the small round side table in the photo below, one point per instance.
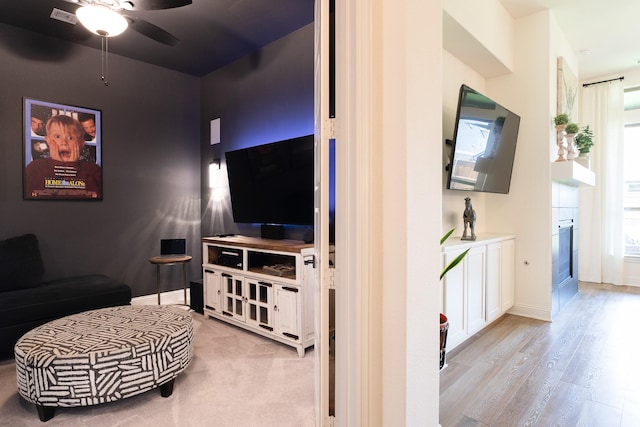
[{"x": 171, "y": 260}]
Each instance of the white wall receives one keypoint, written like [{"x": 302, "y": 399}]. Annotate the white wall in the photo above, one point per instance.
[
  {"x": 530, "y": 91},
  {"x": 388, "y": 187},
  {"x": 481, "y": 34},
  {"x": 526, "y": 211}
]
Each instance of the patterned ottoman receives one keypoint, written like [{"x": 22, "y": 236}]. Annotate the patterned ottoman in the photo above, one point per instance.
[{"x": 102, "y": 356}]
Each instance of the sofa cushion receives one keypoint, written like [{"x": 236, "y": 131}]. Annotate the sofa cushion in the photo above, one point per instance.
[
  {"x": 61, "y": 297},
  {"x": 21, "y": 266}
]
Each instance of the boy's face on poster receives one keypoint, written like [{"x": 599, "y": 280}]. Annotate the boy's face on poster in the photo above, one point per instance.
[{"x": 65, "y": 142}]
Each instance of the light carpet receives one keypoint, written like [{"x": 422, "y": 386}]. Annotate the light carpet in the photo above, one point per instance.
[{"x": 236, "y": 379}]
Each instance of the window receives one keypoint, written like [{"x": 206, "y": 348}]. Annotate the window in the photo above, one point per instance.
[
  {"x": 631, "y": 172},
  {"x": 631, "y": 190}
]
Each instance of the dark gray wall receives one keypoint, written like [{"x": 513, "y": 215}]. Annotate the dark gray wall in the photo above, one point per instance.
[
  {"x": 261, "y": 98},
  {"x": 151, "y": 157}
]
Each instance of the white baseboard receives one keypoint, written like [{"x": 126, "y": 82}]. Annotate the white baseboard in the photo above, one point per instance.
[
  {"x": 632, "y": 281},
  {"x": 166, "y": 298},
  {"x": 532, "y": 312}
]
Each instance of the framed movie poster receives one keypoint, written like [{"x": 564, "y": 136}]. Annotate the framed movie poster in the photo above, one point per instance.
[{"x": 62, "y": 152}]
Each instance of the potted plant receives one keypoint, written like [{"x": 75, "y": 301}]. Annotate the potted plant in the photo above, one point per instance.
[
  {"x": 584, "y": 140},
  {"x": 444, "y": 322},
  {"x": 561, "y": 119},
  {"x": 571, "y": 129}
]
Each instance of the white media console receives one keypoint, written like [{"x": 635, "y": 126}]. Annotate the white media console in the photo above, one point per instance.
[{"x": 262, "y": 285}]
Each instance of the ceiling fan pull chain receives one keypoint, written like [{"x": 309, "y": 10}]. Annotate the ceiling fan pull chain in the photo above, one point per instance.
[{"x": 105, "y": 60}]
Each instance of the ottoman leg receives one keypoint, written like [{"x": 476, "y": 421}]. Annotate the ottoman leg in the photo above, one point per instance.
[
  {"x": 167, "y": 388},
  {"x": 45, "y": 413}
]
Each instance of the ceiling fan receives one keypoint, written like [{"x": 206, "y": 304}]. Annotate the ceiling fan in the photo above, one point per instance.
[{"x": 107, "y": 18}]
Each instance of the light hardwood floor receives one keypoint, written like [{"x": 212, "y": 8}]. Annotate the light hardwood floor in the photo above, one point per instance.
[{"x": 582, "y": 369}]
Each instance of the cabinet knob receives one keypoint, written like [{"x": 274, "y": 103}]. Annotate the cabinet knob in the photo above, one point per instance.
[{"x": 275, "y": 308}]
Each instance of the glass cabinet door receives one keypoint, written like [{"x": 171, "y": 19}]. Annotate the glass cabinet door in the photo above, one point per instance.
[
  {"x": 234, "y": 297},
  {"x": 259, "y": 303}
]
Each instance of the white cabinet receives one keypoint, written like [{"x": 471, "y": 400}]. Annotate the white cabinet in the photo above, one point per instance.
[
  {"x": 481, "y": 288},
  {"x": 464, "y": 290},
  {"x": 507, "y": 274},
  {"x": 500, "y": 278},
  {"x": 264, "y": 286},
  {"x": 454, "y": 300},
  {"x": 212, "y": 289},
  {"x": 494, "y": 278},
  {"x": 286, "y": 310},
  {"x": 475, "y": 288}
]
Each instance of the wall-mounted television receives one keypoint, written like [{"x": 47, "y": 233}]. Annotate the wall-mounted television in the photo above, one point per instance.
[
  {"x": 484, "y": 144},
  {"x": 273, "y": 183}
]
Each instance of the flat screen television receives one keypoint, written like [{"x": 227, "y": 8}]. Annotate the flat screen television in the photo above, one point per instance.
[
  {"x": 484, "y": 144},
  {"x": 273, "y": 183}
]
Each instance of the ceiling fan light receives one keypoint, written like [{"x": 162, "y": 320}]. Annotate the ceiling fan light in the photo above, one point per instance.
[{"x": 102, "y": 20}]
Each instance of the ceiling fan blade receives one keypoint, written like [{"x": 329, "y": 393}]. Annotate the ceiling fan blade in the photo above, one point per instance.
[
  {"x": 153, "y": 32},
  {"x": 157, "y": 4},
  {"x": 78, "y": 2}
]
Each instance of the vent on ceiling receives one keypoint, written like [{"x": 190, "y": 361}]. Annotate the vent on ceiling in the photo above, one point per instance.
[{"x": 64, "y": 16}]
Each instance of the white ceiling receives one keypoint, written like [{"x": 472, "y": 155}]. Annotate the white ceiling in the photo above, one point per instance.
[{"x": 608, "y": 29}]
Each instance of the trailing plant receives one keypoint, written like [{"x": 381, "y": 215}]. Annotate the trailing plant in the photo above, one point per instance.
[
  {"x": 456, "y": 260},
  {"x": 572, "y": 129},
  {"x": 584, "y": 140},
  {"x": 561, "y": 119}
]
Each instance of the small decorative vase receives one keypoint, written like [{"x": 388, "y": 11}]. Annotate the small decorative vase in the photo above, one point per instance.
[
  {"x": 584, "y": 159},
  {"x": 560, "y": 142},
  {"x": 571, "y": 148}
]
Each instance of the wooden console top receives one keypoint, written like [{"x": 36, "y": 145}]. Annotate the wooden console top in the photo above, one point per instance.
[{"x": 284, "y": 245}]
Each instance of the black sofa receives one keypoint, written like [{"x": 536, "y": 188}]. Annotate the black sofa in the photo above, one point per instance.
[{"x": 27, "y": 302}]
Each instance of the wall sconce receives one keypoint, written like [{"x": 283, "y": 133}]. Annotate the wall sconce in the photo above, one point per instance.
[{"x": 214, "y": 173}]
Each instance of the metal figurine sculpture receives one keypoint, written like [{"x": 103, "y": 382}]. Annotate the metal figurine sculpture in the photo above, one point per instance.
[{"x": 469, "y": 217}]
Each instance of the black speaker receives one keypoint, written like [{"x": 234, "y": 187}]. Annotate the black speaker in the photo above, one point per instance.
[
  {"x": 272, "y": 231},
  {"x": 197, "y": 296}
]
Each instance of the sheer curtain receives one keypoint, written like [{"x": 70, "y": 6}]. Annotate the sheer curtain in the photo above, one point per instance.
[{"x": 601, "y": 245}]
